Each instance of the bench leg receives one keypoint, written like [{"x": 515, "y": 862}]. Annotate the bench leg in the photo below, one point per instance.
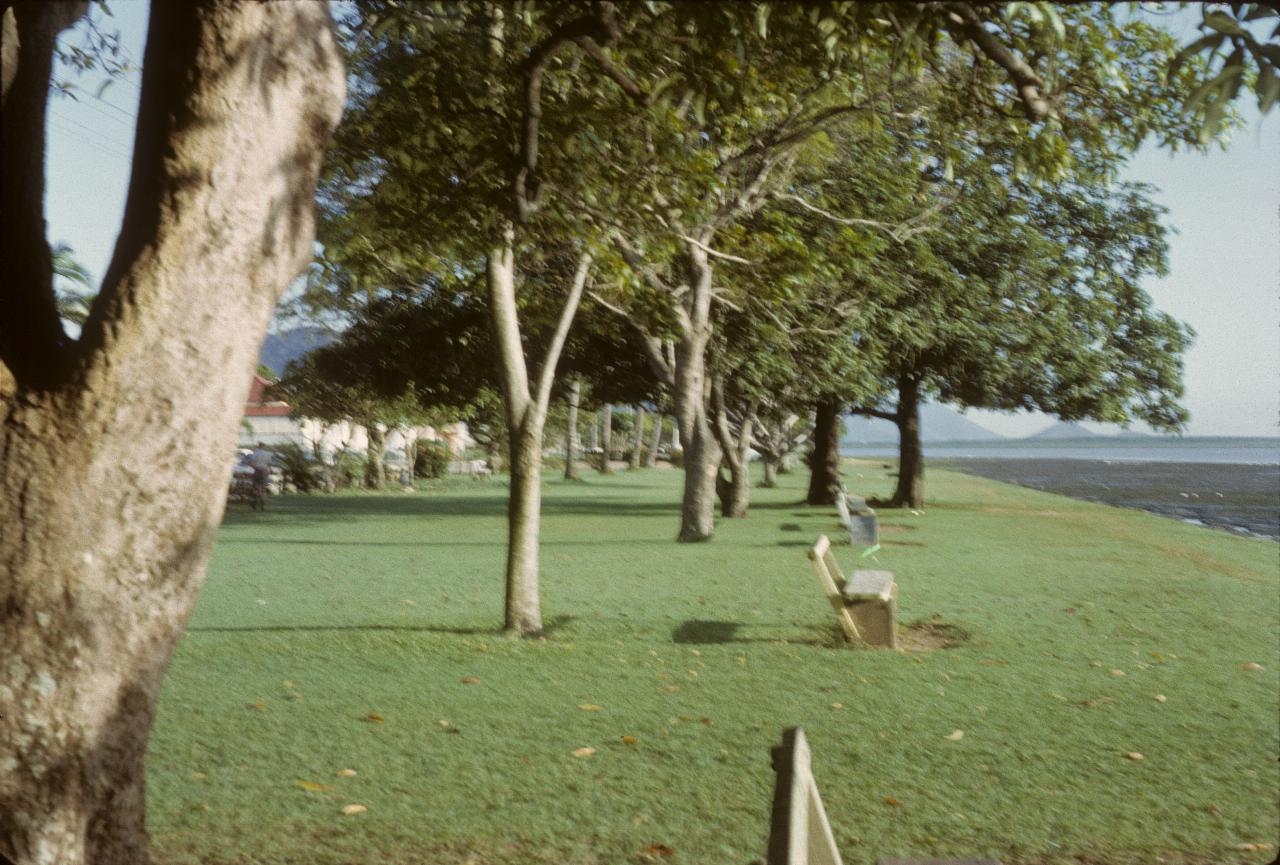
[{"x": 877, "y": 621}]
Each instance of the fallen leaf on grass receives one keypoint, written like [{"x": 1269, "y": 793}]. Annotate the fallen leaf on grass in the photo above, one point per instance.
[
  {"x": 629, "y": 740},
  {"x": 956, "y": 736},
  {"x": 658, "y": 851},
  {"x": 584, "y": 752},
  {"x": 199, "y": 776},
  {"x": 1133, "y": 755},
  {"x": 443, "y": 723},
  {"x": 591, "y": 707},
  {"x": 1249, "y": 848},
  {"x": 313, "y": 786},
  {"x": 374, "y": 717},
  {"x": 289, "y": 683},
  {"x": 837, "y": 705},
  {"x": 1117, "y": 672},
  {"x": 258, "y": 705},
  {"x": 1251, "y": 666},
  {"x": 706, "y": 720},
  {"x": 353, "y": 809},
  {"x": 410, "y": 603},
  {"x": 346, "y": 773},
  {"x": 992, "y": 662},
  {"x": 1160, "y": 698},
  {"x": 892, "y": 802},
  {"x": 1095, "y": 663},
  {"x": 470, "y": 680},
  {"x": 668, "y": 689}
]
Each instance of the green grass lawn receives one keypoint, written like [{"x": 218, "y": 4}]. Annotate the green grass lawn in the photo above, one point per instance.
[{"x": 360, "y": 632}]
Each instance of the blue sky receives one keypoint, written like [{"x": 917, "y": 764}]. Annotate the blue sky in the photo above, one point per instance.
[{"x": 1224, "y": 278}]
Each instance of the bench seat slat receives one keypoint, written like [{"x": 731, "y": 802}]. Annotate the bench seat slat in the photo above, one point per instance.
[{"x": 868, "y": 586}]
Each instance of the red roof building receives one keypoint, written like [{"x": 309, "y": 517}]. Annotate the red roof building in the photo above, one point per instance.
[{"x": 259, "y": 405}]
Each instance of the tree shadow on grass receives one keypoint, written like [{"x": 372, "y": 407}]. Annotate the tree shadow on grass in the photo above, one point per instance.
[
  {"x": 709, "y": 631},
  {"x": 554, "y": 624}
]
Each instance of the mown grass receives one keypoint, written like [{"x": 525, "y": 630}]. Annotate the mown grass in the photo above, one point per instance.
[{"x": 326, "y": 610}]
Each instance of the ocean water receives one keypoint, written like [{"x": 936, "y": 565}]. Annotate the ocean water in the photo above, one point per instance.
[{"x": 1251, "y": 451}]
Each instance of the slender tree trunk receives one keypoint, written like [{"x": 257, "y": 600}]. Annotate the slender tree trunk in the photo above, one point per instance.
[
  {"x": 573, "y": 396},
  {"x": 675, "y": 436},
  {"x": 606, "y": 439},
  {"x": 375, "y": 471},
  {"x": 524, "y": 518},
  {"x": 637, "y": 447},
  {"x": 595, "y": 432},
  {"x": 526, "y": 413},
  {"x": 910, "y": 490},
  {"x": 824, "y": 460},
  {"x": 114, "y": 473},
  {"x": 770, "y": 471},
  {"x": 651, "y": 458}
]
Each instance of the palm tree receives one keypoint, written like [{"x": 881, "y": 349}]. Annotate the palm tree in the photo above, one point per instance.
[{"x": 75, "y": 300}]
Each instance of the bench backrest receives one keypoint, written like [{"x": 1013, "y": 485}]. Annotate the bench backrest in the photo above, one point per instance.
[
  {"x": 842, "y": 505},
  {"x": 799, "y": 833},
  {"x": 832, "y": 580}
]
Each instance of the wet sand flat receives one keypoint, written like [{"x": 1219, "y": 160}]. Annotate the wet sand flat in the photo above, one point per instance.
[{"x": 1235, "y": 497}]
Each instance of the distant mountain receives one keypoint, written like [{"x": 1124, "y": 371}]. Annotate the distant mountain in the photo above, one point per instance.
[
  {"x": 1065, "y": 430},
  {"x": 937, "y": 424},
  {"x": 280, "y": 349}
]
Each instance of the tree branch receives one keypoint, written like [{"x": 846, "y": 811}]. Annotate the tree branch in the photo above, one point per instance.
[
  {"x": 552, "y": 356},
  {"x": 964, "y": 19}
]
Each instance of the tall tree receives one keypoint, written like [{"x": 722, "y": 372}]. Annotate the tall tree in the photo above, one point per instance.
[{"x": 116, "y": 446}]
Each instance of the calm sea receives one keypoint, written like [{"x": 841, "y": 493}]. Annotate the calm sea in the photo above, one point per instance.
[
  {"x": 1231, "y": 484},
  {"x": 1183, "y": 450}
]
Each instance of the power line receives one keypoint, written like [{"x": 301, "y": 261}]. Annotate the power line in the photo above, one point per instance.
[{"x": 101, "y": 142}]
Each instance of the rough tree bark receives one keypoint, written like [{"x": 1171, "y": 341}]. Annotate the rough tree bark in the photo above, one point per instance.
[
  {"x": 824, "y": 459},
  {"x": 606, "y": 439},
  {"x": 526, "y": 411},
  {"x": 115, "y": 449},
  {"x": 375, "y": 472},
  {"x": 573, "y": 396},
  {"x": 910, "y": 490},
  {"x": 637, "y": 446}
]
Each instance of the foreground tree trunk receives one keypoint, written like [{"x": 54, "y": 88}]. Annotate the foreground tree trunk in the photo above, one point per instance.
[
  {"x": 117, "y": 446},
  {"x": 606, "y": 439},
  {"x": 526, "y": 410},
  {"x": 573, "y": 397},
  {"x": 637, "y": 446},
  {"x": 375, "y": 471},
  {"x": 910, "y": 490},
  {"x": 824, "y": 459}
]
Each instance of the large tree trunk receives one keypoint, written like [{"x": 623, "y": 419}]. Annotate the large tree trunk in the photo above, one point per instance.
[
  {"x": 117, "y": 447},
  {"x": 824, "y": 460},
  {"x": 910, "y": 490},
  {"x": 651, "y": 458},
  {"x": 701, "y": 468},
  {"x": 573, "y": 396},
  {"x": 375, "y": 472},
  {"x": 606, "y": 439},
  {"x": 637, "y": 446}
]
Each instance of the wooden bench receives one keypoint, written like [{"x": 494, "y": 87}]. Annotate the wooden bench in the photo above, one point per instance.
[
  {"x": 866, "y": 605},
  {"x": 799, "y": 833},
  {"x": 858, "y": 520}
]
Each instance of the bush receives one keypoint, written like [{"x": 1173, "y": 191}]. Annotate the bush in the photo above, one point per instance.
[
  {"x": 348, "y": 469},
  {"x": 431, "y": 460},
  {"x": 299, "y": 469}
]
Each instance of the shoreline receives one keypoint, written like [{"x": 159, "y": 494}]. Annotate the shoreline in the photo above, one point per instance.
[{"x": 1240, "y": 498}]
